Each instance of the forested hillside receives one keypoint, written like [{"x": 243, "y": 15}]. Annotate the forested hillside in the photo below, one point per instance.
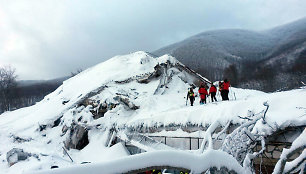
[
  {"x": 26, "y": 93},
  {"x": 267, "y": 60}
]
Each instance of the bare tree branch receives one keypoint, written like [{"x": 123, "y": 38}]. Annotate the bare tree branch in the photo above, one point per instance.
[{"x": 7, "y": 85}]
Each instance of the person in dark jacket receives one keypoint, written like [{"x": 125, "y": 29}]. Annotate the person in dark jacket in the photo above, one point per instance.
[
  {"x": 225, "y": 89},
  {"x": 220, "y": 89},
  {"x": 203, "y": 93},
  {"x": 212, "y": 92},
  {"x": 190, "y": 95}
]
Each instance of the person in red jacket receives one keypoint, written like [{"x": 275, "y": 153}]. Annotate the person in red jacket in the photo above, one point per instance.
[
  {"x": 225, "y": 89},
  {"x": 203, "y": 93},
  {"x": 212, "y": 92}
]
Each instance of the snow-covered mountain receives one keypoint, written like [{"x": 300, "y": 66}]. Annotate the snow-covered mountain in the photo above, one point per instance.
[
  {"x": 140, "y": 95},
  {"x": 246, "y": 56}
]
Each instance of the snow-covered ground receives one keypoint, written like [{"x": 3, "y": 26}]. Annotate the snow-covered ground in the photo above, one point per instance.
[{"x": 158, "y": 106}]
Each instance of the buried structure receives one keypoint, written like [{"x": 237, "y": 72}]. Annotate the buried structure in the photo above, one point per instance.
[{"x": 136, "y": 103}]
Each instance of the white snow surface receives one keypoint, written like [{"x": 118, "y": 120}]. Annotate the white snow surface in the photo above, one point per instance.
[
  {"x": 180, "y": 159},
  {"x": 164, "y": 108}
]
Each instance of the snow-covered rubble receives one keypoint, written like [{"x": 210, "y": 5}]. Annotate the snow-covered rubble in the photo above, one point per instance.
[
  {"x": 15, "y": 155},
  {"x": 135, "y": 92}
]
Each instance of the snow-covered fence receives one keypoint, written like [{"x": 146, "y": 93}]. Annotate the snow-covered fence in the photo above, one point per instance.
[{"x": 183, "y": 143}]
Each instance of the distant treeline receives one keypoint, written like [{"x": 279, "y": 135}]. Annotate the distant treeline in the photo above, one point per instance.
[
  {"x": 23, "y": 96},
  {"x": 15, "y": 95}
]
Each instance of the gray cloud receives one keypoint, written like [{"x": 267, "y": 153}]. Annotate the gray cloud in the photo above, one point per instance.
[{"x": 51, "y": 38}]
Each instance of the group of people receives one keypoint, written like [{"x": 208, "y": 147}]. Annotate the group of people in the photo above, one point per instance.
[{"x": 223, "y": 88}]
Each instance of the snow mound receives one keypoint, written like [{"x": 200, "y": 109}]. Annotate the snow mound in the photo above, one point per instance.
[{"x": 118, "y": 68}]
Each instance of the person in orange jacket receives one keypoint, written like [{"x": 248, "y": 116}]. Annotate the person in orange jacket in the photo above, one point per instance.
[
  {"x": 203, "y": 93},
  {"x": 212, "y": 92}
]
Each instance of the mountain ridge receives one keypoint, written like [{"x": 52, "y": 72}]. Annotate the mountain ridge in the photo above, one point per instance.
[{"x": 240, "y": 52}]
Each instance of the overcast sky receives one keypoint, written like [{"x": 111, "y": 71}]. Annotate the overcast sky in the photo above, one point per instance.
[{"x": 45, "y": 39}]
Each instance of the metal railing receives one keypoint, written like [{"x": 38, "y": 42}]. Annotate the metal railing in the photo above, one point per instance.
[{"x": 183, "y": 143}]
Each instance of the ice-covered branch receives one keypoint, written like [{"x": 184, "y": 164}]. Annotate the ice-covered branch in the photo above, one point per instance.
[
  {"x": 249, "y": 157},
  {"x": 208, "y": 136},
  {"x": 239, "y": 142},
  {"x": 298, "y": 144},
  {"x": 223, "y": 131},
  {"x": 296, "y": 163}
]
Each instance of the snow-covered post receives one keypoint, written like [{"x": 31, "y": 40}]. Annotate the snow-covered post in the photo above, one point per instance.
[{"x": 264, "y": 116}]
